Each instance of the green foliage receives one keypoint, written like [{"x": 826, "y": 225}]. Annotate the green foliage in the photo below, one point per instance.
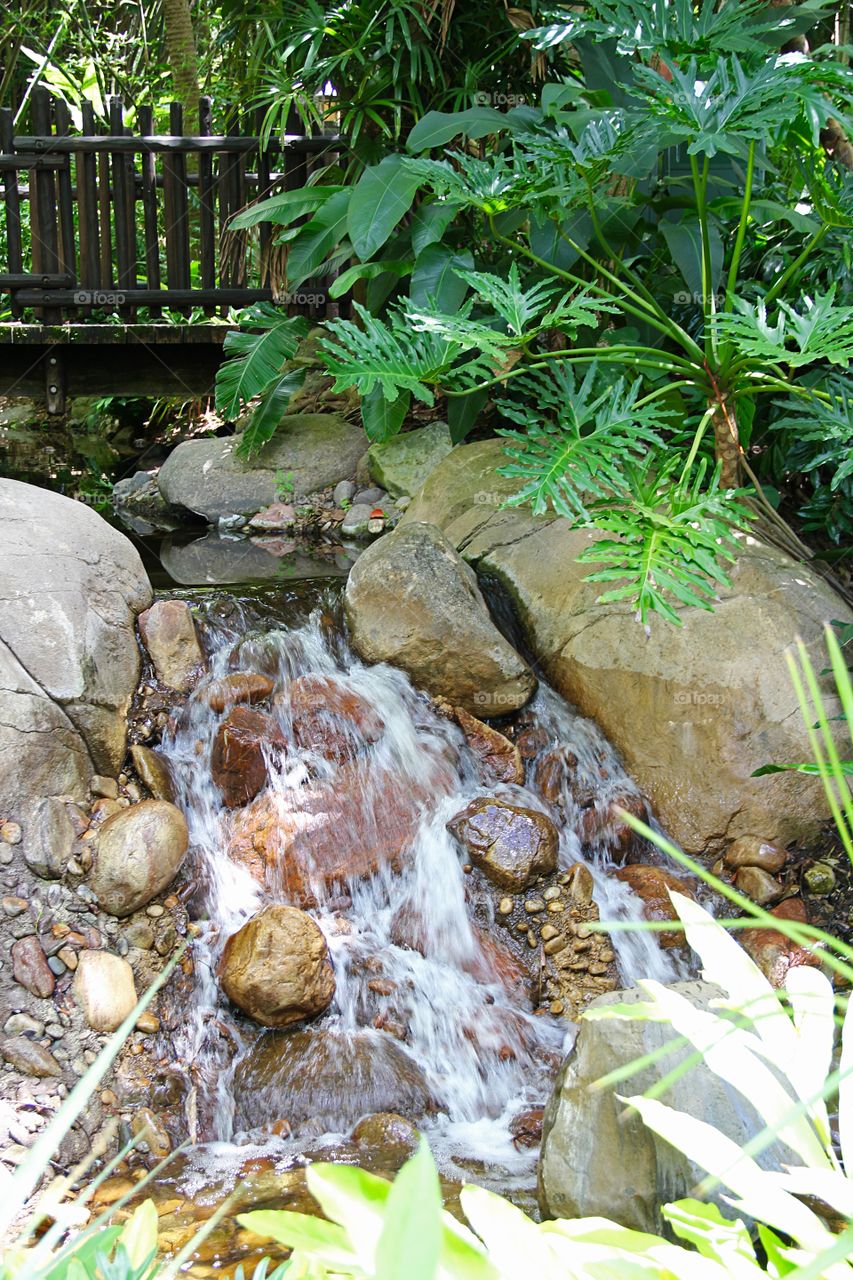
[
  {"x": 818, "y": 331},
  {"x": 258, "y": 353}
]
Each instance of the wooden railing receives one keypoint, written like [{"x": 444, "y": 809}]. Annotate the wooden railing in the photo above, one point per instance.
[{"x": 110, "y": 220}]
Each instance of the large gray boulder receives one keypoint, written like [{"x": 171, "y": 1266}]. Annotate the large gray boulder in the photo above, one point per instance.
[
  {"x": 402, "y": 464},
  {"x": 693, "y": 710},
  {"x": 412, "y": 601},
  {"x": 598, "y": 1158},
  {"x": 71, "y": 588},
  {"x": 310, "y": 451}
]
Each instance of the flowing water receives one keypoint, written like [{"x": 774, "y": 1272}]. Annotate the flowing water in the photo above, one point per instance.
[{"x": 421, "y": 1022}]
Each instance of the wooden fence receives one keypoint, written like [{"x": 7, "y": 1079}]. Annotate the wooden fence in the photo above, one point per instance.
[{"x": 109, "y": 219}]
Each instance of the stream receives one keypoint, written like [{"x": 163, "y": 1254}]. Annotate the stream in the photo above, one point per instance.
[{"x": 430, "y": 1017}]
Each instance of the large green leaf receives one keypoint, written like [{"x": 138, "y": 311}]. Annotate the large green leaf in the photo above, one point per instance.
[
  {"x": 684, "y": 241},
  {"x": 327, "y": 1242},
  {"x": 268, "y": 414},
  {"x": 316, "y": 240},
  {"x": 434, "y": 279},
  {"x": 439, "y": 127},
  {"x": 257, "y": 355},
  {"x": 462, "y": 413},
  {"x": 283, "y": 208},
  {"x": 382, "y": 196},
  {"x": 411, "y": 1238},
  {"x": 430, "y": 221},
  {"x": 383, "y": 418},
  {"x": 369, "y": 271}
]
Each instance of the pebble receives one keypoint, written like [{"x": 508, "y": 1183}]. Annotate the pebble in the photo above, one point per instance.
[
  {"x": 556, "y": 944},
  {"x": 15, "y": 906},
  {"x": 819, "y": 878},
  {"x": 56, "y": 965},
  {"x": 505, "y": 907},
  {"x": 759, "y": 885},
  {"x": 11, "y": 832},
  {"x": 556, "y": 907},
  {"x": 29, "y": 1057},
  {"x": 74, "y": 868},
  {"x": 108, "y": 1098},
  {"x": 68, "y": 957},
  {"x": 54, "y": 1030},
  {"x": 23, "y": 1024},
  {"x": 7, "y": 853},
  {"x": 549, "y": 932},
  {"x": 532, "y": 940},
  {"x": 30, "y": 967},
  {"x": 533, "y": 905},
  {"x": 99, "y": 785},
  {"x": 551, "y": 893},
  {"x": 155, "y": 911},
  {"x": 556, "y": 1007},
  {"x": 139, "y": 934}
]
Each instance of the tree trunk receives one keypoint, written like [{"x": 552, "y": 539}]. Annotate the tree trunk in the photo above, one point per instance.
[
  {"x": 183, "y": 56},
  {"x": 727, "y": 444}
]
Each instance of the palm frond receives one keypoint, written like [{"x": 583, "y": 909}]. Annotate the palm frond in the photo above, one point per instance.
[{"x": 258, "y": 349}]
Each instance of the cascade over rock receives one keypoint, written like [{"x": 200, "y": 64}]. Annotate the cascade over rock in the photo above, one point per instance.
[{"x": 693, "y": 710}]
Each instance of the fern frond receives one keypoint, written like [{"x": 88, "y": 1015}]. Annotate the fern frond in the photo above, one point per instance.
[
  {"x": 819, "y": 331},
  {"x": 258, "y": 349}
]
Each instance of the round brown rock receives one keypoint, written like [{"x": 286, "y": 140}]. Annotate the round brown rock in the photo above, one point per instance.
[
  {"x": 652, "y": 885},
  {"x": 104, "y": 989},
  {"x": 752, "y": 851},
  {"x": 511, "y": 845},
  {"x": 277, "y": 967},
  {"x": 139, "y": 852}
]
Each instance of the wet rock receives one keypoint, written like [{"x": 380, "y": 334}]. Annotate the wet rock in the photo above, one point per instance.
[
  {"x": 772, "y": 951},
  {"x": 327, "y": 1079},
  {"x": 495, "y": 962},
  {"x": 293, "y": 843},
  {"x": 207, "y": 477},
  {"x": 139, "y": 853},
  {"x": 652, "y": 885},
  {"x": 402, "y": 465},
  {"x": 751, "y": 851},
  {"x": 498, "y": 758},
  {"x": 104, "y": 989},
  {"x": 30, "y": 968},
  {"x": 599, "y": 1159},
  {"x": 242, "y": 686},
  {"x": 526, "y": 1128},
  {"x": 512, "y": 845},
  {"x": 149, "y": 1129},
  {"x": 819, "y": 878},
  {"x": 239, "y": 759},
  {"x": 277, "y": 968},
  {"x": 153, "y": 769},
  {"x": 281, "y": 515},
  {"x": 29, "y": 1057},
  {"x": 759, "y": 885},
  {"x": 329, "y": 718},
  {"x": 387, "y": 1132},
  {"x": 99, "y": 785},
  {"x": 168, "y": 633},
  {"x": 602, "y": 824},
  {"x": 412, "y": 601},
  {"x": 69, "y": 661}
]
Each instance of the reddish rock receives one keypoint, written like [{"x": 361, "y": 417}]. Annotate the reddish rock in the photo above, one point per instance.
[
  {"x": 751, "y": 851},
  {"x": 30, "y": 967},
  {"x": 496, "y": 963},
  {"x": 301, "y": 844},
  {"x": 602, "y": 824},
  {"x": 243, "y": 686},
  {"x": 555, "y": 773},
  {"x": 238, "y": 763},
  {"x": 772, "y": 951},
  {"x": 526, "y": 1128},
  {"x": 498, "y": 758},
  {"x": 281, "y": 515},
  {"x": 651, "y": 884},
  {"x": 329, "y": 718},
  {"x": 168, "y": 633},
  {"x": 512, "y": 845},
  {"x": 759, "y": 885}
]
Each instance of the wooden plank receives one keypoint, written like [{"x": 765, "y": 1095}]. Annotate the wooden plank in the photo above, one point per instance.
[
  {"x": 148, "y": 179},
  {"x": 68, "y": 245},
  {"x": 32, "y": 160},
  {"x": 87, "y": 207},
  {"x": 262, "y": 190},
  {"x": 104, "y": 212},
  {"x": 125, "y": 250},
  {"x": 11, "y": 202},
  {"x": 29, "y": 280},
  {"x": 121, "y": 143},
  {"x": 225, "y": 192},
  {"x": 112, "y": 334},
  {"x": 43, "y": 229},
  {"x": 180, "y": 298},
  {"x": 176, "y": 213},
  {"x": 206, "y": 201}
]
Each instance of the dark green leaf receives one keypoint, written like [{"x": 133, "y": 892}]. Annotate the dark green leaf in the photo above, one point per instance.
[{"x": 382, "y": 196}]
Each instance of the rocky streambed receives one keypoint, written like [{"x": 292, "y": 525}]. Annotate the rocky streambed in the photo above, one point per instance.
[{"x": 387, "y": 841}]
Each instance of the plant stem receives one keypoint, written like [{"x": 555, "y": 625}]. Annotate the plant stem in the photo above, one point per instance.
[
  {"x": 662, "y": 391},
  {"x": 700, "y": 186},
  {"x": 741, "y": 231},
  {"x": 697, "y": 440},
  {"x": 600, "y": 354},
  {"x": 795, "y": 265}
]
